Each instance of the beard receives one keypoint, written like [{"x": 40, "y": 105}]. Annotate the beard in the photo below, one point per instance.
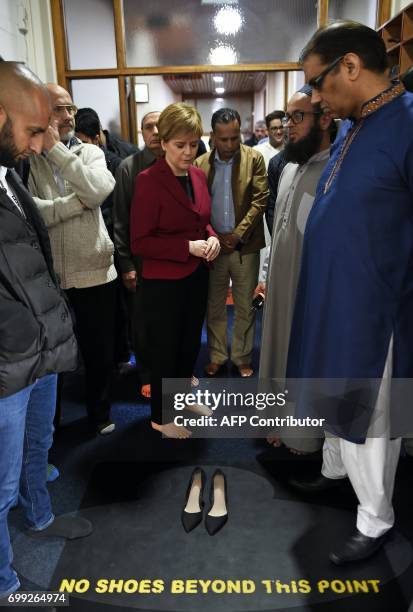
[
  {"x": 8, "y": 151},
  {"x": 68, "y": 136},
  {"x": 301, "y": 151}
]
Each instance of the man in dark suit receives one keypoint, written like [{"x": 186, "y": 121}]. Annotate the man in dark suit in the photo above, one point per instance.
[
  {"x": 36, "y": 334},
  {"x": 130, "y": 266}
]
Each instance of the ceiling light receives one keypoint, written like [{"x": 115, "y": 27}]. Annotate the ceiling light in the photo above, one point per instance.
[
  {"x": 218, "y": 79},
  {"x": 222, "y": 55},
  {"x": 220, "y": 90},
  {"x": 219, "y": 99},
  {"x": 219, "y": 1},
  {"x": 228, "y": 21}
]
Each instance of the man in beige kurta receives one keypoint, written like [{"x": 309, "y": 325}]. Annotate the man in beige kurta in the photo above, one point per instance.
[{"x": 308, "y": 148}]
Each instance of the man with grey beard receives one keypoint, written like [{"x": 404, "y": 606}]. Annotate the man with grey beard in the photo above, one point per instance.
[
  {"x": 307, "y": 152},
  {"x": 69, "y": 182}
]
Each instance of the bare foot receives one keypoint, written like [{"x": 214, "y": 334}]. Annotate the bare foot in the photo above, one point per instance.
[
  {"x": 199, "y": 409},
  {"x": 194, "y": 381},
  {"x": 294, "y": 451},
  {"x": 274, "y": 440},
  {"x": 170, "y": 430},
  {"x": 146, "y": 391}
]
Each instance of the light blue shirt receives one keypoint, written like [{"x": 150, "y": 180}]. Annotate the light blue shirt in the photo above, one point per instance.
[{"x": 222, "y": 211}]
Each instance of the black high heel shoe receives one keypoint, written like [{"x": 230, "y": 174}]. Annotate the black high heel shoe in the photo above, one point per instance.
[
  {"x": 218, "y": 513},
  {"x": 194, "y": 504}
]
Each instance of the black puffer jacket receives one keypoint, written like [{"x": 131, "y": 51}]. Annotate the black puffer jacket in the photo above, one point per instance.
[{"x": 36, "y": 333}]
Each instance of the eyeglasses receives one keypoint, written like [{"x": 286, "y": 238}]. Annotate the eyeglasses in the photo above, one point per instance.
[
  {"x": 276, "y": 128},
  {"x": 297, "y": 117},
  {"x": 317, "y": 82},
  {"x": 61, "y": 108}
]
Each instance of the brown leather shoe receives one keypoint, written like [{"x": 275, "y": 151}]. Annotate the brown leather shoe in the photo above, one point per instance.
[
  {"x": 212, "y": 369},
  {"x": 245, "y": 370}
]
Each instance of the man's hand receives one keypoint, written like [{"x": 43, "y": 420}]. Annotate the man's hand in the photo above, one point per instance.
[
  {"x": 228, "y": 242},
  {"x": 51, "y": 136},
  {"x": 213, "y": 248},
  {"x": 130, "y": 280},
  {"x": 260, "y": 288},
  {"x": 197, "y": 248}
]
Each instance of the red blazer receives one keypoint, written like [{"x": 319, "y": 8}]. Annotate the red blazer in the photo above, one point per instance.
[{"x": 164, "y": 220}]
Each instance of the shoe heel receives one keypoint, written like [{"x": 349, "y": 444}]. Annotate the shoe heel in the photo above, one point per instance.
[
  {"x": 213, "y": 524},
  {"x": 190, "y": 520}
]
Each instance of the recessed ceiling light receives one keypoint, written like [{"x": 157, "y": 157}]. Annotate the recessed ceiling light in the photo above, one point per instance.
[
  {"x": 228, "y": 20},
  {"x": 220, "y": 90},
  {"x": 223, "y": 55},
  {"x": 218, "y": 79}
]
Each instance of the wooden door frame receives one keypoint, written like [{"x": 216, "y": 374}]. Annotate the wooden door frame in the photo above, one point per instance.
[
  {"x": 123, "y": 72},
  {"x": 65, "y": 75}
]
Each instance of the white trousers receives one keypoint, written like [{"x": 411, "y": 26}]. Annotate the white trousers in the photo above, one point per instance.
[{"x": 371, "y": 467}]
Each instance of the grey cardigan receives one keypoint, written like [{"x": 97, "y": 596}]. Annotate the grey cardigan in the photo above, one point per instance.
[{"x": 81, "y": 247}]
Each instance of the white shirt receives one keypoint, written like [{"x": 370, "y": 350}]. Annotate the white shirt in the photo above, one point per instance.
[
  {"x": 10, "y": 193},
  {"x": 267, "y": 151}
]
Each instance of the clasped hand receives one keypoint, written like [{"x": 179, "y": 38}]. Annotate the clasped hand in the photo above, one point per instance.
[
  {"x": 206, "y": 249},
  {"x": 228, "y": 242}
]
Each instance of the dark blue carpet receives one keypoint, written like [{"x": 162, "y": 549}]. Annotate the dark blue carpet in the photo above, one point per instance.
[{"x": 99, "y": 472}]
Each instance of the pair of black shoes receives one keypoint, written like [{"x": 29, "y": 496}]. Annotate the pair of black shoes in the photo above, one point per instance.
[{"x": 217, "y": 514}]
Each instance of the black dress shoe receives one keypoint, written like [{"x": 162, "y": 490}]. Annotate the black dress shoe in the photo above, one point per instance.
[
  {"x": 357, "y": 547},
  {"x": 318, "y": 485},
  {"x": 218, "y": 512},
  {"x": 194, "y": 504}
]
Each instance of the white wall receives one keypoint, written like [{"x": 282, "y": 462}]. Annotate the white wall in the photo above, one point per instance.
[
  {"x": 275, "y": 91},
  {"x": 160, "y": 95},
  {"x": 259, "y": 105},
  {"x": 398, "y": 5},
  {"x": 363, "y": 11},
  {"x": 12, "y": 42},
  {"x": 296, "y": 80},
  {"x": 42, "y": 59},
  {"x": 26, "y": 35}
]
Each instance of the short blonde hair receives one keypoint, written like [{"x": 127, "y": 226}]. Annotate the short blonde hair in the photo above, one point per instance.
[{"x": 179, "y": 117}]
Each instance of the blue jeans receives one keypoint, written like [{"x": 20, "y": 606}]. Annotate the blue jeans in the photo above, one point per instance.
[{"x": 26, "y": 435}]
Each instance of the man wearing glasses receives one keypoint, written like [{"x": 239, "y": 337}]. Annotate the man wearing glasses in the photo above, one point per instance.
[
  {"x": 353, "y": 316},
  {"x": 69, "y": 182},
  {"x": 276, "y": 137},
  {"x": 306, "y": 152}
]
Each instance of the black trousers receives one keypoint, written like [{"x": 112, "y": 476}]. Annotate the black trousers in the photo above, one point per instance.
[
  {"x": 139, "y": 333},
  {"x": 174, "y": 314},
  {"x": 94, "y": 309}
]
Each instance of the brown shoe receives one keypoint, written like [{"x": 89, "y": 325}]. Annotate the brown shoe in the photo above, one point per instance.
[
  {"x": 212, "y": 369},
  {"x": 245, "y": 370}
]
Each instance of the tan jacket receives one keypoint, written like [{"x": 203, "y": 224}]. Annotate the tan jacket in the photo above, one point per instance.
[
  {"x": 249, "y": 194},
  {"x": 81, "y": 247}
]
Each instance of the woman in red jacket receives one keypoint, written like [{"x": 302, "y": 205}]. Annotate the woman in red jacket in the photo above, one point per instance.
[{"x": 171, "y": 231}]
